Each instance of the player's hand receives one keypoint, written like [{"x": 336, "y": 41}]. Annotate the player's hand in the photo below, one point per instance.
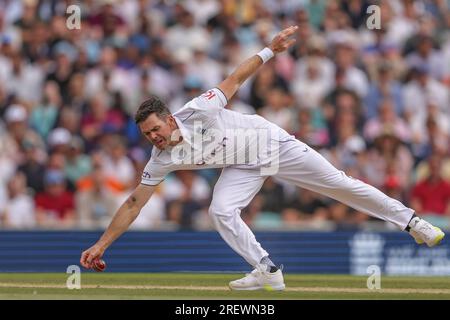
[
  {"x": 96, "y": 251},
  {"x": 281, "y": 41}
]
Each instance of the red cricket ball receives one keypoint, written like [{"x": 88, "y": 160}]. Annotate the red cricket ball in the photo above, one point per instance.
[{"x": 98, "y": 265}]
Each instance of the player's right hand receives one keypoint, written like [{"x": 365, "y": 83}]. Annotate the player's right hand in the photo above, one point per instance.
[
  {"x": 282, "y": 40},
  {"x": 94, "y": 252}
]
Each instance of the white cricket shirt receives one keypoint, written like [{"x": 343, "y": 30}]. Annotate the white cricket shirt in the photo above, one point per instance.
[{"x": 214, "y": 137}]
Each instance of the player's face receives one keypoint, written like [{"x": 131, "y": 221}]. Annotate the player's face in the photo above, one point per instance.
[{"x": 158, "y": 131}]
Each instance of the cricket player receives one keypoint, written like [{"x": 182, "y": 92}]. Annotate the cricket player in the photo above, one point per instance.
[{"x": 203, "y": 134}]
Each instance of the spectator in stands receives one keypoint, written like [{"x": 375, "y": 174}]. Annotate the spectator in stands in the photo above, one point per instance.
[
  {"x": 116, "y": 164},
  {"x": 34, "y": 166},
  {"x": 311, "y": 89},
  {"x": 44, "y": 116},
  {"x": 18, "y": 133},
  {"x": 77, "y": 164},
  {"x": 272, "y": 195},
  {"x": 100, "y": 119},
  {"x": 187, "y": 194},
  {"x": 55, "y": 207},
  {"x": 345, "y": 52},
  {"x": 96, "y": 204},
  {"x": 418, "y": 94},
  {"x": 277, "y": 109},
  {"x": 426, "y": 55},
  {"x": 386, "y": 118},
  {"x": 305, "y": 207},
  {"x": 312, "y": 128},
  {"x": 384, "y": 87},
  {"x": 59, "y": 140},
  {"x": 388, "y": 150},
  {"x": 264, "y": 80},
  {"x": 22, "y": 79},
  {"x": 18, "y": 211},
  {"x": 153, "y": 214},
  {"x": 349, "y": 150},
  {"x": 432, "y": 195}
]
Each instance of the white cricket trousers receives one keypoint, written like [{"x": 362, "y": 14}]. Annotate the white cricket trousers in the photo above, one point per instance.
[{"x": 304, "y": 167}]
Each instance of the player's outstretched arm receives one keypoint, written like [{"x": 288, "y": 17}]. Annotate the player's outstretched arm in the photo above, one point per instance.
[
  {"x": 279, "y": 44},
  {"x": 124, "y": 216}
]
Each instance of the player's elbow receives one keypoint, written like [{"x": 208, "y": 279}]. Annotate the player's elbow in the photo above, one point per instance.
[{"x": 229, "y": 86}]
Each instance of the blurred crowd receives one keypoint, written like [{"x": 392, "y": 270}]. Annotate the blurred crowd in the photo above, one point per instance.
[{"x": 374, "y": 102}]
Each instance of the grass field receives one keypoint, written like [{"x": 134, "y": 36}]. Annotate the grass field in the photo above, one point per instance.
[{"x": 185, "y": 286}]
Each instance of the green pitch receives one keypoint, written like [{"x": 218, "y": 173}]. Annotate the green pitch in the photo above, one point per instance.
[{"x": 185, "y": 286}]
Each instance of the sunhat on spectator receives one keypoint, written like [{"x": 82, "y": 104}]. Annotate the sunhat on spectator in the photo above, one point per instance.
[
  {"x": 15, "y": 113},
  {"x": 59, "y": 136}
]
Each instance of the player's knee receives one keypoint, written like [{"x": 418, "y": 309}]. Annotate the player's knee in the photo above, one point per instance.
[{"x": 220, "y": 213}]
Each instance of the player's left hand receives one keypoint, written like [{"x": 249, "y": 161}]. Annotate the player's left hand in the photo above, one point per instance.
[{"x": 281, "y": 42}]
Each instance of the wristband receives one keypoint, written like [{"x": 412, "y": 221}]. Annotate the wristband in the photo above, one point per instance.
[{"x": 265, "y": 54}]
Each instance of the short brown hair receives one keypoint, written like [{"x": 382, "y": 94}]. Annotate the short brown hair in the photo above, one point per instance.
[{"x": 149, "y": 106}]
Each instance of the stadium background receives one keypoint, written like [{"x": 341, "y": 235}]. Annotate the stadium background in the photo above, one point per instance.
[{"x": 373, "y": 102}]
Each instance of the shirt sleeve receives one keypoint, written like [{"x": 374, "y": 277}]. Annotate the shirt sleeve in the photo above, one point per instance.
[
  {"x": 211, "y": 102},
  {"x": 154, "y": 173}
]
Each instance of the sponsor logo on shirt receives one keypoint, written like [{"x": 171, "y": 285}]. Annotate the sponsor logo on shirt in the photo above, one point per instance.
[{"x": 146, "y": 175}]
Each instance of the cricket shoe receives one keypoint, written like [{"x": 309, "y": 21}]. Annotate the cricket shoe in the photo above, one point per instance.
[
  {"x": 260, "y": 279},
  {"x": 424, "y": 232}
]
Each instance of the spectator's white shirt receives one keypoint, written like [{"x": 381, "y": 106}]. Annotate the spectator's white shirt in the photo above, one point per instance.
[
  {"x": 356, "y": 80},
  {"x": 122, "y": 170},
  {"x": 151, "y": 215},
  {"x": 202, "y": 10},
  {"x": 5, "y": 69},
  {"x": 435, "y": 61},
  {"x": 8, "y": 158},
  {"x": 282, "y": 118},
  {"x": 206, "y": 69},
  {"x": 180, "y": 38},
  {"x": 209, "y": 139},
  {"x": 174, "y": 189},
  {"x": 129, "y": 11},
  {"x": 3, "y": 199},
  {"x": 12, "y": 11},
  {"x": 309, "y": 92},
  {"x": 325, "y": 65},
  {"x": 400, "y": 29},
  {"x": 20, "y": 212},
  {"x": 446, "y": 58},
  {"x": 119, "y": 81},
  {"x": 416, "y": 99},
  {"x": 161, "y": 82},
  {"x": 27, "y": 84}
]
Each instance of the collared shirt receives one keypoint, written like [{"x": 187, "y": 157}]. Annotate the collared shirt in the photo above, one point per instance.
[{"x": 214, "y": 137}]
